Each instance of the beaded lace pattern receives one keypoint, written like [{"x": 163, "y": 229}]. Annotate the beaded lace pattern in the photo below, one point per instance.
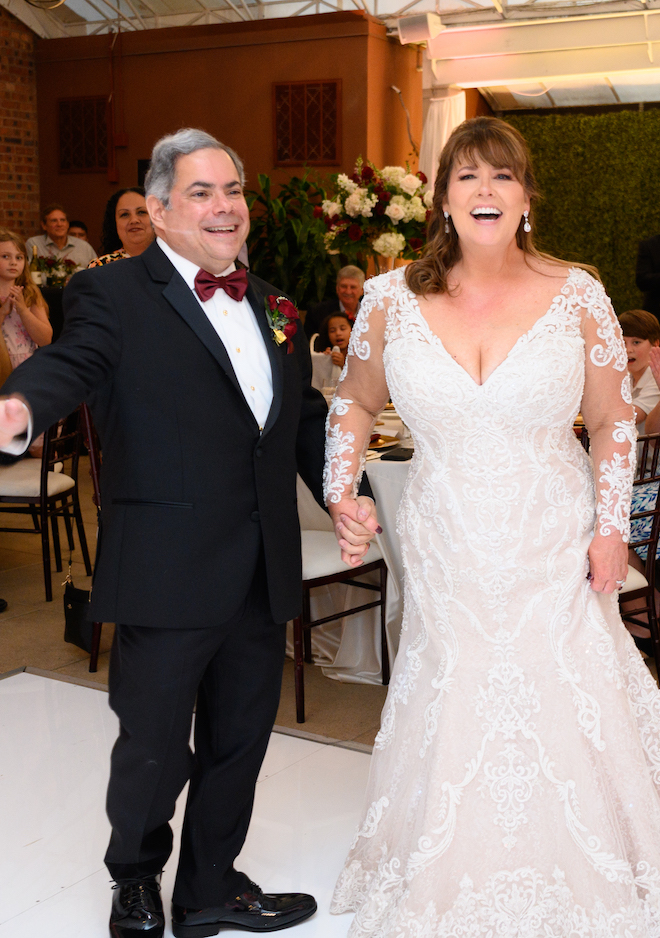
[{"x": 515, "y": 785}]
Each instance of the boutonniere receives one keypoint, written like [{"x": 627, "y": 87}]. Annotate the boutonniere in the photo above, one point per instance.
[{"x": 283, "y": 319}]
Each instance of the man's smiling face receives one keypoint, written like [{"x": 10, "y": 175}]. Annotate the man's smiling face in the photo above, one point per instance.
[{"x": 207, "y": 221}]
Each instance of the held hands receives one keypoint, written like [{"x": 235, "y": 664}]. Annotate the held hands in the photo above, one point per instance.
[
  {"x": 608, "y": 563},
  {"x": 16, "y": 295},
  {"x": 355, "y": 524},
  {"x": 14, "y": 418}
]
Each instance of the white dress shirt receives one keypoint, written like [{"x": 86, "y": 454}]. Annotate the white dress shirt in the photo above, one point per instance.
[{"x": 236, "y": 324}]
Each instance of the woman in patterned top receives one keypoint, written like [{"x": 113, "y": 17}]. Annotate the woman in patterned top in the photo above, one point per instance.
[{"x": 127, "y": 229}]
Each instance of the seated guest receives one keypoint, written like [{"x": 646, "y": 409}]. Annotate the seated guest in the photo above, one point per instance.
[
  {"x": 23, "y": 311},
  {"x": 78, "y": 229},
  {"x": 647, "y": 275},
  {"x": 127, "y": 228},
  {"x": 350, "y": 284},
  {"x": 641, "y": 332},
  {"x": 329, "y": 352},
  {"x": 56, "y": 241},
  {"x": 24, "y": 324},
  {"x": 333, "y": 338}
]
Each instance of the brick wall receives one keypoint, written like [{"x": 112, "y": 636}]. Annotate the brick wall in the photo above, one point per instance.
[{"x": 19, "y": 159}]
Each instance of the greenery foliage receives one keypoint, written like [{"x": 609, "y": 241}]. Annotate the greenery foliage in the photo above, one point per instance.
[
  {"x": 599, "y": 176},
  {"x": 286, "y": 239}
]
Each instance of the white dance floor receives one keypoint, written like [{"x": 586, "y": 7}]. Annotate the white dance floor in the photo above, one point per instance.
[{"x": 55, "y": 741}]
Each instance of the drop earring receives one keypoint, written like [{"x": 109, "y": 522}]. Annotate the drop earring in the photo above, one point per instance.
[
  {"x": 526, "y": 227},
  {"x": 446, "y": 214}
]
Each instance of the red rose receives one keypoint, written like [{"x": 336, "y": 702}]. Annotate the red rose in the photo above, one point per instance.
[
  {"x": 379, "y": 208},
  {"x": 422, "y": 176},
  {"x": 415, "y": 243},
  {"x": 272, "y": 303},
  {"x": 386, "y": 196},
  {"x": 287, "y": 309},
  {"x": 318, "y": 211},
  {"x": 356, "y": 178},
  {"x": 290, "y": 330},
  {"x": 354, "y": 232},
  {"x": 367, "y": 173}
]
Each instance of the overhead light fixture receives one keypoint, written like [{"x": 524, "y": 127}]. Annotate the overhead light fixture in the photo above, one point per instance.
[{"x": 419, "y": 28}]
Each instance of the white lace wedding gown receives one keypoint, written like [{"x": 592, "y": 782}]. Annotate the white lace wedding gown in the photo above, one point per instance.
[{"x": 514, "y": 789}]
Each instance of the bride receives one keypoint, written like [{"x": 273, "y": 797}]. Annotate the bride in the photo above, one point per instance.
[{"x": 514, "y": 788}]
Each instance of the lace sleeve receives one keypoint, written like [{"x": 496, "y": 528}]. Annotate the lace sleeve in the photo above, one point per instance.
[
  {"x": 361, "y": 395},
  {"x": 607, "y": 409}
]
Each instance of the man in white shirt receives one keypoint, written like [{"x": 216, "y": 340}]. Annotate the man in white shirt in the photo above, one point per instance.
[
  {"x": 205, "y": 413},
  {"x": 56, "y": 240}
]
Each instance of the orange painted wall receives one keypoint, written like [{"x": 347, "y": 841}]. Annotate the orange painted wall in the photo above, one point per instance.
[
  {"x": 389, "y": 64},
  {"x": 220, "y": 78},
  {"x": 476, "y": 105}
]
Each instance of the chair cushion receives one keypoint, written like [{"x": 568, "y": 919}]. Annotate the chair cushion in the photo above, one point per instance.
[
  {"x": 634, "y": 581},
  {"x": 322, "y": 555},
  {"x": 23, "y": 479}
]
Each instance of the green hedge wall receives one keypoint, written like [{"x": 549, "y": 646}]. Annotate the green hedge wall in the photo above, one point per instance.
[{"x": 599, "y": 176}]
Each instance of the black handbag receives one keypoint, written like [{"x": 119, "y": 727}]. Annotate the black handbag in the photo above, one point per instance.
[{"x": 77, "y": 629}]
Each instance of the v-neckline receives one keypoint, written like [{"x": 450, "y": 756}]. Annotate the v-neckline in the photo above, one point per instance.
[{"x": 519, "y": 341}]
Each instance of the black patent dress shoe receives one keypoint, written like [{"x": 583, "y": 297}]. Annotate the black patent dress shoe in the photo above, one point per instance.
[
  {"x": 253, "y": 910},
  {"x": 137, "y": 909},
  {"x": 3, "y": 605}
]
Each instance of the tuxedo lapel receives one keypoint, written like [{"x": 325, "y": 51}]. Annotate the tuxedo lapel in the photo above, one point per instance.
[
  {"x": 256, "y": 300},
  {"x": 180, "y": 297}
]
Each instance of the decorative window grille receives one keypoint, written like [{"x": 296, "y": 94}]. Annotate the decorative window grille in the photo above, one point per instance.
[
  {"x": 307, "y": 123},
  {"x": 83, "y": 134}
]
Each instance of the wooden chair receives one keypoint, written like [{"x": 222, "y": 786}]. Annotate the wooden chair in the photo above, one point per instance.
[
  {"x": 47, "y": 490},
  {"x": 638, "y": 585},
  {"x": 95, "y": 460},
  {"x": 322, "y": 564}
]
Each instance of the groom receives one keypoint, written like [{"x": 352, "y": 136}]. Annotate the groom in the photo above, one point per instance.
[{"x": 205, "y": 413}]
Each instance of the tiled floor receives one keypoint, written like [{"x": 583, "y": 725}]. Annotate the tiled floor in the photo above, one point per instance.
[
  {"x": 55, "y": 740},
  {"x": 31, "y": 634}
]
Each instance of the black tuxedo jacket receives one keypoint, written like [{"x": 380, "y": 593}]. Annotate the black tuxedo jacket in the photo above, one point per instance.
[
  {"x": 648, "y": 274},
  {"x": 190, "y": 488}
]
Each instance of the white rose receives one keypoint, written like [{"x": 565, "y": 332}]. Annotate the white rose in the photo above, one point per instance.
[
  {"x": 395, "y": 212},
  {"x": 428, "y": 198},
  {"x": 410, "y": 184}
]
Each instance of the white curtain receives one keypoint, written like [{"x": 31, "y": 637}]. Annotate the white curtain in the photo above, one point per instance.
[{"x": 443, "y": 115}]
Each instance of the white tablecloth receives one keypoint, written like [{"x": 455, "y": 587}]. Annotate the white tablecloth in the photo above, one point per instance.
[{"x": 349, "y": 649}]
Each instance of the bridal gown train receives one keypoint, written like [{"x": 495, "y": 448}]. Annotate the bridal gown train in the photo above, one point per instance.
[{"x": 515, "y": 783}]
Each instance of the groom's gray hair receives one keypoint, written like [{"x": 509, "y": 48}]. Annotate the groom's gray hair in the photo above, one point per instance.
[{"x": 162, "y": 168}]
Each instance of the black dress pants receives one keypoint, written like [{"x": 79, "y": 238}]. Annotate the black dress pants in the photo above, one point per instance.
[{"x": 234, "y": 671}]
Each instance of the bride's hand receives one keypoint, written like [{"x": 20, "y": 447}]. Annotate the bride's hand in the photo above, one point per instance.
[
  {"x": 356, "y": 523},
  {"x": 608, "y": 563}
]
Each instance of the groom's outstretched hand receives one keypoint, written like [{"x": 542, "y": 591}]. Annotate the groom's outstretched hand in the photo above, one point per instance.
[
  {"x": 14, "y": 418},
  {"x": 356, "y": 523}
]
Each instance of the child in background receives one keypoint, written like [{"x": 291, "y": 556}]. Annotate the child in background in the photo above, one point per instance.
[
  {"x": 23, "y": 311},
  {"x": 24, "y": 323},
  {"x": 334, "y": 336},
  {"x": 641, "y": 332}
]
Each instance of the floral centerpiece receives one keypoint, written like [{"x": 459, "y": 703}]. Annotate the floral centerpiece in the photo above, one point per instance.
[
  {"x": 377, "y": 212},
  {"x": 55, "y": 271}
]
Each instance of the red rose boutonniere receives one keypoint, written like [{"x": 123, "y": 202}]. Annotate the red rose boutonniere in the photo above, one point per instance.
[{"x": 283, "y": 319}]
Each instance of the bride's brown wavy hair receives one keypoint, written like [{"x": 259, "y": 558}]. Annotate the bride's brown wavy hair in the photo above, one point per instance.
[{"x": 491, "y": 141}]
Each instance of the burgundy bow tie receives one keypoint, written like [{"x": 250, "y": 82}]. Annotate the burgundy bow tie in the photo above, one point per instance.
[{"x": 234, "y": 284}]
